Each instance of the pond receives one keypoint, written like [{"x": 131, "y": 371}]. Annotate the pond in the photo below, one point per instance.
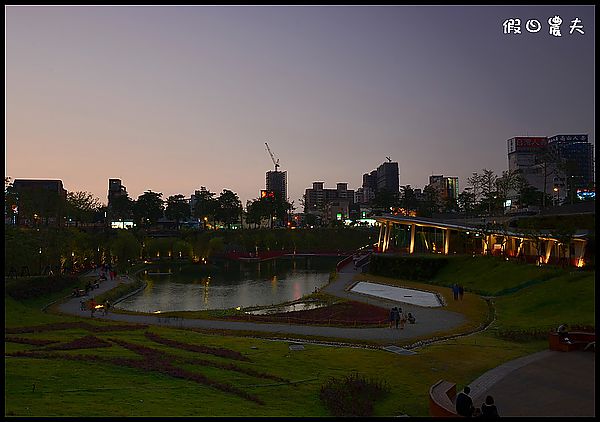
[{"x": 187, "y": 287}]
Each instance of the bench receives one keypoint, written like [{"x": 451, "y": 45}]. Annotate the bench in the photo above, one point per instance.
[
  {"x": 578, "y": 340},
  {"x": 441, "y": 399}
]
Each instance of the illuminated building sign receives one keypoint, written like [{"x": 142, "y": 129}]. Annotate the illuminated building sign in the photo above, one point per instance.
[
  {"x": 520, "y": 143},
  {"x": 585, "y": 194},
  {"x": 121, "y": 224},
  {"x": 267, "y": 194}
]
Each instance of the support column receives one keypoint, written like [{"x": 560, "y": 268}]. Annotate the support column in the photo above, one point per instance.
[
  {"x": 379, "y": 244},
  {"x": 386, "y": 242},
  {"x": 413, "y": 228},
  {"x": 579, "y": 252},
  {"x": 549, "y": 245},
  {"x": 446, "y": 241}
]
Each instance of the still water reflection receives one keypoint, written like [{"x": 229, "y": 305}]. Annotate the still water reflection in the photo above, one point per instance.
[{"x": 190, "y": 288}]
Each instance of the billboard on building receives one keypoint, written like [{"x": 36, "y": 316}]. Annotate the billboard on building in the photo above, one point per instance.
[{"x": 527, "y": 143}]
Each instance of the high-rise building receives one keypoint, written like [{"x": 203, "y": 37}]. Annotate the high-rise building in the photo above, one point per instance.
[
  {"x": 321, "y": 201},
  {"x": 115, "y": 189},
  {"x": 276, "y": 181},
  {"x": 577, "y": 157},
  {"x": 385, "y": 177},
  {"x": 447, "y": 187},
  {"x": 556, "y": 165},
  {"x": 529, "y": 156},
  {"x": 41, "y": 199},
  {"x": 388, "y": 177}
]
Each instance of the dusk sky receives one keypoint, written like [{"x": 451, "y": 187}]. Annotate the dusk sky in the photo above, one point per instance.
[{"x": 175, "y": 98}]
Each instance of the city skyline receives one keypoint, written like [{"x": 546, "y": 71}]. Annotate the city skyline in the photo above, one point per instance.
[{"x": 174, "y": 98}]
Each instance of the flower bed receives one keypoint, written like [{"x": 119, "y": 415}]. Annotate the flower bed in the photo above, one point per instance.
[
  {"x": 30, "y": 341},
  {"x": 73, "y": 325},
  {"x": 87, "y": 342},
  {"x": 221, "y": 352},
  {"x": 157, "y": 360},
  {"x": 158, "y": 365}
]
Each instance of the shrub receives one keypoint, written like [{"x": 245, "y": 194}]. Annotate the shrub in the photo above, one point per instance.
[
  {"x": 31, "y": 287},
  {"x": 408, "y": 268},
  {"x": 353, "y": 395}
]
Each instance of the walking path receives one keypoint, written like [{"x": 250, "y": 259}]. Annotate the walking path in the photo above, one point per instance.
[
  {"x": 546, "y": 383},
  {"x": 429, "y": 321}
]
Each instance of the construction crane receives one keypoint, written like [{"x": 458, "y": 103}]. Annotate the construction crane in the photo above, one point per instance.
[{"x": 276, "y": 162}]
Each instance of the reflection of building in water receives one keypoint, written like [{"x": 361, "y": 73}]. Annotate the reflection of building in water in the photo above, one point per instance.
[
  {"x": 206, "y": 288},
  {"x": 297, "y": 290},
  {"x": 149, "y": 287},
  {"x": 274, "y": 284}
]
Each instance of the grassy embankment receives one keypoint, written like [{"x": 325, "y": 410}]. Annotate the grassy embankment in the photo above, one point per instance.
[{"x": 73, "y": 388}]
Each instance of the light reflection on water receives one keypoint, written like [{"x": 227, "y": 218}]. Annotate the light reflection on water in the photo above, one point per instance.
[
  {"x": 305, "y": 306},
  {"x": 233, "y": 284}
]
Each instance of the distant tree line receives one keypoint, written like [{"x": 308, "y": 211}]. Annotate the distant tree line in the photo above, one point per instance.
[
  {"x": 485, "y": 195},
  {"x": 47, "y": 250}
]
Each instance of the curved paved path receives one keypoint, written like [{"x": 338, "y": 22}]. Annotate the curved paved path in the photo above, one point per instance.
[
  {"x": 429, "y": 321},
  {"x": 547, "y": 383}
]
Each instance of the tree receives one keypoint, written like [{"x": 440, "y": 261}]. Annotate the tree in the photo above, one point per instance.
[
  {"x": 475, "y": 181},
  {"x": 527, "y": 194},
  {"x": 385, "y": 199},
  {"x": 507, "y": 184},
  {"x": 205, "y": 205},
  {"x": 466, "y": 202},
  {"x": 275, "y": 207},
  {"x": 82, "y": 206},
  {"x": 148, "y": 207},
  {"x": 429, "y": 204},
  {"x": 450, "y": 204},
  {"x": 229, "y": 207},
  {"x": 11, "y": 199},
  {"x": 125, "y": 247},
  {"x": 177, "y": 208},
  {"x": 255, "y": 212},
  {"x": 121, "y": 207},
  {"x": 408, "y": 199}
]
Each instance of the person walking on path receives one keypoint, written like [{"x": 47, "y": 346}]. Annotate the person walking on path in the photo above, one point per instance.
[
  {"x": 402, "y": 318},
  {"x": 392, "y": 317},
  {"x": 396, "y": 316},
  {"x": 92, "y": 306},
  {"x": 464, "y": 403},
  {"x": 455, "y": 291},
  {"x": 461, "y": 291},
  {"x": 488, "y": 408},
  {"x": 106, "y": 306}
]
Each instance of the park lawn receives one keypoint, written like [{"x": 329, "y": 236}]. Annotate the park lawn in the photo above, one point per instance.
[
  {"x": 65, "y": 388},
  {"x": 491, "y": 276},
  {"x": 73, "y": 388},
  {"x": 569, "y": 298}
]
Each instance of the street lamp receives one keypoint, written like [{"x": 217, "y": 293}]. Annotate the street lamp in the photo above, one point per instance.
[{"x": 40, "y": 253}]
